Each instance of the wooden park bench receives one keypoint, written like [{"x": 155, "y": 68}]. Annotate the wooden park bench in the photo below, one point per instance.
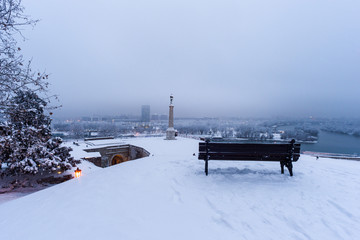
[{"x": 285, "y": 153}]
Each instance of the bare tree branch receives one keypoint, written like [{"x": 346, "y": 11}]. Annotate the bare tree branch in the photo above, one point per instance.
[{"x": 16, "y": 73}]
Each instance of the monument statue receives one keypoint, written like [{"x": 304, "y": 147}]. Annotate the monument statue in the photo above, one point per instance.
[{"x": 170, "y": 132}]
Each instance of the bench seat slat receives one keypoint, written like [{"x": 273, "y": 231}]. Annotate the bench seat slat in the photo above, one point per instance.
[
  {"x": 247, "y": 147},
  {"x": 248, "y": 153},
  {"x": 244, "y": 157}
]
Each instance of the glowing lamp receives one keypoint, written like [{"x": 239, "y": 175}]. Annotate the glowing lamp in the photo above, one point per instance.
[{"x": 77, "y": 173}]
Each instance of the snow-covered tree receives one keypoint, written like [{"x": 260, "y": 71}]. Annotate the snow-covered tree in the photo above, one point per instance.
[{"x": 26, "y": 145}]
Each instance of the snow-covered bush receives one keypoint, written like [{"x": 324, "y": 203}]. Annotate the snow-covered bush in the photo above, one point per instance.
[{"x": 26, "y": 145}]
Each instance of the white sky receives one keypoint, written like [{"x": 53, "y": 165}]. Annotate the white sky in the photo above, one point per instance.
[{"x": 218, "y": 58}]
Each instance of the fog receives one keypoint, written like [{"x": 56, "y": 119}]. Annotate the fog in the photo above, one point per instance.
[{"x": 219, "y": 58}]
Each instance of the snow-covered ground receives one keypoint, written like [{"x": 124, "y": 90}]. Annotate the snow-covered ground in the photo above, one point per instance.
[{"x": 167, "y": 196}]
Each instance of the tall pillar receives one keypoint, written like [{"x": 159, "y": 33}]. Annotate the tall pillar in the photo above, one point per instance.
[
  {"x": 171, "y": 116},
  {"x": 170, "y": 132}
]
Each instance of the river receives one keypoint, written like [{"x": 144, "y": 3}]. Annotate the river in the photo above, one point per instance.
[{"x": 334, "y": 143}]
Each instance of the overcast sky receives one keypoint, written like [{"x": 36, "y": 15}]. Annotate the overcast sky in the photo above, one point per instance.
[{"x": 244, "y": 58}]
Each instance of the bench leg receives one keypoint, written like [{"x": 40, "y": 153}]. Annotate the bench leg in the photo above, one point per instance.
[
  {"x": 282, "y": 164},
  {"x": 206, "y": 167},
  {"x": 289, "y": 167}
]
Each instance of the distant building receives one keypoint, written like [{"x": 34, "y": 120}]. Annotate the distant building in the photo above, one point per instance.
[
  {"x": 106, "y": 119},
  {"x": 145, "y": 113},
  {"x": 155, "y": 117},
  {"x": 86, "y": 119},
  {"x": 163, "y": 117}
]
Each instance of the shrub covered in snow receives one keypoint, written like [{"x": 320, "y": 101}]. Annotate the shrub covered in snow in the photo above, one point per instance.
[{"x": 26, "y": 145}]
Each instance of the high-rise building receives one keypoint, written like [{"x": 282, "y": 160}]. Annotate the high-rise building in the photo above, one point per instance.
[{"x": 145, "y": 113}]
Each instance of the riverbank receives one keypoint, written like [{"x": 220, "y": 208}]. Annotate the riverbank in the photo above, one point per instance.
[{"x": 332, "y": 155}]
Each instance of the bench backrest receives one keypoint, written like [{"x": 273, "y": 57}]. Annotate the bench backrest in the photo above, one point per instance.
[{"x": 249, "y": 151}]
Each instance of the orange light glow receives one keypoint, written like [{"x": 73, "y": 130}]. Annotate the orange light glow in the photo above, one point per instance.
[{"x": 77, "y": 173}]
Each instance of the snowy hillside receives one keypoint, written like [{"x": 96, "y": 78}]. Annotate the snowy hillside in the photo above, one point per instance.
[{"x": 167, "y": 196}]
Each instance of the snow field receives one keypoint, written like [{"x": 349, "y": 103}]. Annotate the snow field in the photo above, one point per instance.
[{"x": 168, "y": 196}]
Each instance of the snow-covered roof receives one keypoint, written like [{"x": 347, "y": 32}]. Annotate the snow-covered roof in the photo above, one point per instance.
[
  {"x": 167, "y": 196},
  {"x": 79, "y": 146},
  {"x": 105, "y": 142},
  {"x": 78, "y": 150}
]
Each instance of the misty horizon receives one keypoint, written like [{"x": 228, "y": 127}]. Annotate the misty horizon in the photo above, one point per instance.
[
  {"x": 137, "y": 116},
  {"x": 218, "y": 58}
]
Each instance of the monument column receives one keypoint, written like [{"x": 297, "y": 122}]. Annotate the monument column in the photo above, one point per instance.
[{"x": 170, "y": 132}]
